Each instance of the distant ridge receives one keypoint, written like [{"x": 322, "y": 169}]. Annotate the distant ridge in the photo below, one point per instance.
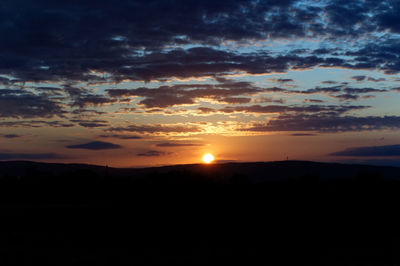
[{"x": 255, "y": 172}]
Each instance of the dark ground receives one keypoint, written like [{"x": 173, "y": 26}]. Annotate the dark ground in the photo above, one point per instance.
[{"x": 281, "y": 213}]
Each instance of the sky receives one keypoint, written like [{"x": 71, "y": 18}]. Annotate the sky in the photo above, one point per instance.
[{"x": 131, "y": 83}]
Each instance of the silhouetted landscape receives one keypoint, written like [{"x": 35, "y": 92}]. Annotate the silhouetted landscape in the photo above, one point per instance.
[
  {"x": 99, "y": 89},
  {"x": 273, "y": 213}
]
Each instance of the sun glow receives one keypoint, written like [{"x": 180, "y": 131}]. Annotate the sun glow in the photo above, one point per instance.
[{"x": 208, "y": 158}]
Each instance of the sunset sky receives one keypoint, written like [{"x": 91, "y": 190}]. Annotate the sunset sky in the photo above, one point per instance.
[{"x": 155, "y": 82}]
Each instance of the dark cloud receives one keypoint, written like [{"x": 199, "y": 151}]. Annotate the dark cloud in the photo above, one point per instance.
[
  {"x": 121, "y": 136},
  {"x": 167, "y": 96},
  {"x": 353, "y": 94},
  {"x": 152, "y": 153},
  {"x": 313, "y": 101},
  {"x": 31, "y": 156},
  {"x": 81, "y": 97},
  {"x": 206, "y": 110},
  {"x": 316, "y": 90},
  {"x": 91, "y": 123},
  {"x": 95, "y": 145},
  {"x": 373, "y": 151},
  {"x": 269, "y": 109},
  {"x": 172, "y": 144},
  {"x": 347, "y": 97},
  {"x": 281, "y": 80},
  {"x": 376, "y": 80},
  {"x": 358, "y": 78},
  {"x": 10, "y": 136},
  {"x": 388, "y": 16},
  {"x": 263, "y": 99},
  {"x": 4, "y": 81},
  {"x": 326, "y": 123},
  {"x": 382, "y": 55},
  {"x": 337, "y": 89},
  {"x": 98, "y": 41},
  {"x": 352, "y": 18},
  {"x": 76, "y": 38},
  {"x": 158, "y": 128},
  {"x": 93, "y": 100},
  {"x": 362, "y": 90},
  {"x": 329, "y": 82},
  {"x": 302, "y": 135},
  {"x": 23, "y": 104},
  {"x": 87, "y": 112},
  {"x": 36, "y": 124},
  {"x": 235, "y": 100},
  {"x": 341, "y": 92},
  {"x": 103, "y": 42}
]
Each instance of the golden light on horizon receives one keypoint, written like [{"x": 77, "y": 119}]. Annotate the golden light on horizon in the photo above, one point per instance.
[{"x": 208, "y": 158}]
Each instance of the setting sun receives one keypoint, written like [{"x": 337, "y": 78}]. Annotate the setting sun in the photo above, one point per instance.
[{"x": 208, "y": 158}]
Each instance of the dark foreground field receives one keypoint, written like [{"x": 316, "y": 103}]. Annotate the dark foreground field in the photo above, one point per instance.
[{"x": 279, "y": 213}]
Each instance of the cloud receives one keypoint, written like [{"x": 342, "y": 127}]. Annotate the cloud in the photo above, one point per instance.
[
  {"x": 380, "y": 54},
  {"x": 263, "y": 99},
  {"x": 116, "y": 33},
  {"x": 109, "y": 43},
  {"x": 120, "y": 136},
  {"x": 83, "y": 45},
  {"x": 347, "y": 97},
  {"x": 91, "y": 123},
  {"x": 94, "y": 100},
  {"x": 358, "y": 78},
  {"x": 10, "y": 136},
  {"x": 152, "y": 153},
  {"x": 271, "y": 109},
  {"x": 95, "y": 145},
  {"x": 23, "y": 104},
  {"x": 316, "y": 90},
  {"x": 167, "y": 96},
  {"x": 373, "y": 151},
  {"x": 36, "y": 124},
  {"x": 172, "y": 144},
  {"x": 326, "y": 123},
  {"x": 329, "y": 82},
  {"x": 158, "y": 128},
  {"x": 376, "y": 80},
  {"x": 281, "y": 80},
  {"x": 31, "y": 156},
  {"x": 341, "y": 92},
  {"x": 81, "y": 97},
  {"x": 362, "y": 90},
  {"x": 313, "y": 101}
]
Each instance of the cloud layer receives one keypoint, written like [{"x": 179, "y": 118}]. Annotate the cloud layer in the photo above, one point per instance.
[
  {"x": 155, "y": 73},
  {"x": 95, "y": 145},
  {"x": 373, "y": 151}
]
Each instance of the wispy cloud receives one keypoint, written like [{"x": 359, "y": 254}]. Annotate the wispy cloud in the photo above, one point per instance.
[
  {"x": 95, "y": 145},
  {"x": 372, "y": 151},
  {"x": 152, "y": 153},
  {"x": 174, "y": 144},
  {"x": 31, "y": 156}
]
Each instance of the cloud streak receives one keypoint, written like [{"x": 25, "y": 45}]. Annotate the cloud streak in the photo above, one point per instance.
[
  {"x": 152, "y": 153},
  {"x": 326, "y": 123},
  {"x": 31, "y": 156},
  {"x": 372, "y": 151},
  {"x": 95, "y": 145}
]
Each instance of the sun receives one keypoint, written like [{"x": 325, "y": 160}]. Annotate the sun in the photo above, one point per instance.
[{"x": 208, "y": 158}]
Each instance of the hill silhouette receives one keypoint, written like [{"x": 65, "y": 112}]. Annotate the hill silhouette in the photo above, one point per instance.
[
  {"x": 252, "y": 173},
  {"x": 272, "y": 213}
]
